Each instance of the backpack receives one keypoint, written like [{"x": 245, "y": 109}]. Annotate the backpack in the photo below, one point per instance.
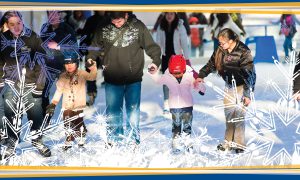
[{"x": 288, "y": 27}]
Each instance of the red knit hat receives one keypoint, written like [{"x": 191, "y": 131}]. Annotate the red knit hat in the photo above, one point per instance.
[
  {"x": 177, "y": 64},
  {"x": 193, "y": 20}
]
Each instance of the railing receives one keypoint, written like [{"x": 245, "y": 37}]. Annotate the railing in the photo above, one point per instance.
[{"x": 255, "y": 30}]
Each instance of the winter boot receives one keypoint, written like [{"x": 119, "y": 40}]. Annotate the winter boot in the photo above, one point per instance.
[
  {"x": 81, "y": 141},
  {"x": 42, "y": 148},
  {"x": 68, "y": 142},
  {"x": 177, "y": 145},
  {"x": 7, "y": 149},
  {"x": 225, "y": 146},
  {"x": 239, "y": 150}
]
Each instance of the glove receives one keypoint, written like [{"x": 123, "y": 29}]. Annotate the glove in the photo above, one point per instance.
[
  {"x": 195, "y": 74},
  {"x": 89, "y": 63},
  {"x": 36, "y": 93},
  {"x": 50, "y": 109},
  {"x": 152, "y": 68},
  {"x": 202, "y": 89}
]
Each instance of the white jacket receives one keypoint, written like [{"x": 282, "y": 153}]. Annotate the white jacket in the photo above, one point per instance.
[
  {"x": 180, "y": 40},
  {"x": 180, "y": 93}
]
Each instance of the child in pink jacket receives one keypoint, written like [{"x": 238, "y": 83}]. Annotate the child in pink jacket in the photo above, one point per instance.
[{"x": 179, "y": 79}]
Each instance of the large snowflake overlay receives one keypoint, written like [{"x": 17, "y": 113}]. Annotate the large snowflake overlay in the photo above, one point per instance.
[
  {"x": 285, "y": 119},
  {"x": 277, "y": 127}
]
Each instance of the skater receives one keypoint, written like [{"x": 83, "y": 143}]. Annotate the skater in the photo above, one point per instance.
[
  {"x": 14, "y": 61},
  {"x": 232, "y": 59},
  {"x": 123, "y": 42},
  {"x": 179, "y": 79},
  {"x": 288, "y": 29},
  {"x": 72, "y": 86},
  {"x": 173, "y": 39},
  {"x": 296, "y": 83}
]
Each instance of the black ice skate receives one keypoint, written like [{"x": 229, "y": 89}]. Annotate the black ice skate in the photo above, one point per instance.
[
  {"x": 68, "y": 143},
  {"x": 224, "y": 147},
  {"x": 239, "y": 150},
  {"x": 42, "y": 148}
]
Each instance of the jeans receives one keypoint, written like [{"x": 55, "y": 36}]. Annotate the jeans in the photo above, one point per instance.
[
  {"x": 35, "y": 113},
  {"x": 115, "y": 95},
  {"x": 287, "y": 45},
  {"x": 1, "y": 111},
  {"x": 182, "y": 121}
]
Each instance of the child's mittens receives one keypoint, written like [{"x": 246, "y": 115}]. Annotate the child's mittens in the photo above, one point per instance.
[
  {"x": 195, "y": 74},
  {"x": 50, "y": 109},
  {"x": 202, "y": 89},
  {"x": 89, "y": 63}
]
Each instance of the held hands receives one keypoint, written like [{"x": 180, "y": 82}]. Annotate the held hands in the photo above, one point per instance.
[
  {"x": 50, "y": 109},
  {"x": 53, "y": 45},
  {"x": 152, "y": 68},
  {"x": 90, "y": 64},
  {"x": 195, "y": 74},
  {"x": 198, "y": 83}
]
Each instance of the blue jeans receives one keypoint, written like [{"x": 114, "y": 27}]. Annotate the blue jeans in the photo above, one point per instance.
[
  {"x": 35, "y": 113},
  {"x": 287, "y": 45},
  {"x": 182, "y": 121},
  {"x": 115, "y": 95},
  {"x": 1, "y": 110}
]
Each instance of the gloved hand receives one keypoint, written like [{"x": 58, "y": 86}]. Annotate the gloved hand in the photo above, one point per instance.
[
  {"x": 37, "y": 93},
  {"x": 195, "y": 74},
  {"x": 89, "y": 63},
  {"x": 152, "y": 68},
  {"x": 50, "y": 109}
]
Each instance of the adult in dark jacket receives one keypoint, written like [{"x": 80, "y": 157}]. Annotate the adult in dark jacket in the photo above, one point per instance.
[
  {"x": 97, "y": 21},
  {"x": 234, "y": 63},
  {"x": 21, "y": 49},
  {"x": 123, "y": 43},
  {"x": 52, "y": 33},
  {"x": 296, "y": 85}
]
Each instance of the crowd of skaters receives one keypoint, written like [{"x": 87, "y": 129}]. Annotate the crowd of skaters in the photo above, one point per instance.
[{"x": 122, "y": 40}]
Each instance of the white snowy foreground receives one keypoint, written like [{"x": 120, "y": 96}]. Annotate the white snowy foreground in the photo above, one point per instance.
[{"x": 272, "y": 130}]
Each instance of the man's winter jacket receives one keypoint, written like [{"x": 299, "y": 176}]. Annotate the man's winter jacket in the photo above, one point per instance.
[
  {"x": 238, "y": 65},
  {"x": 123, "y": 61},
  {"x": 30, "y": 55}
]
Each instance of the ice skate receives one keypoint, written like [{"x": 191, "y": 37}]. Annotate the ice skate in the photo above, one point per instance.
[
  {"x": 177, "y": 146},
  {"x": 42, "y": 148},
  {"x": 68, "y": 143},
  {"x": 225, "y": 146}
]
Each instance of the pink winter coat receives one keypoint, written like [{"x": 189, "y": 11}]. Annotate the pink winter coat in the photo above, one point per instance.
[{"x": 180, "y": 93}]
